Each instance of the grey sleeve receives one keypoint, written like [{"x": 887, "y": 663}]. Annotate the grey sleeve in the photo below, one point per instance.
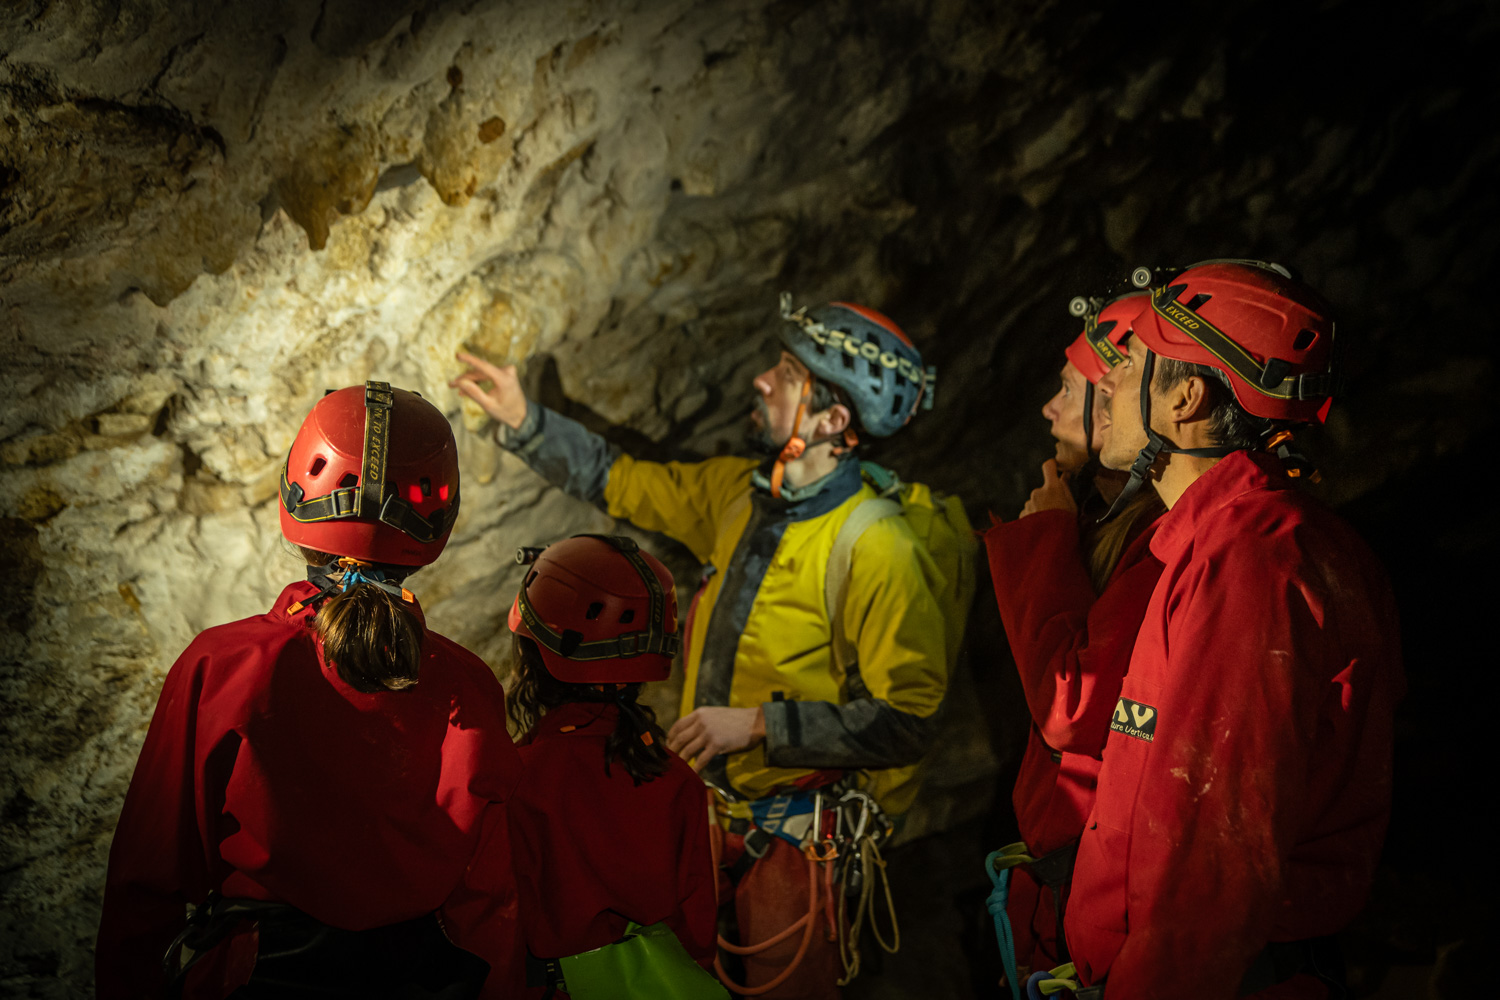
[
  {"x": 863, "y": 733},
  {"x": 564, "y": 452}
]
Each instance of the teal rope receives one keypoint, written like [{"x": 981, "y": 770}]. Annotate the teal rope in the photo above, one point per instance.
[{"x": 998, "y": 898}]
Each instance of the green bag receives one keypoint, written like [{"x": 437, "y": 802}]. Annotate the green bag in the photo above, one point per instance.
[{"x": 647, "y": 962}]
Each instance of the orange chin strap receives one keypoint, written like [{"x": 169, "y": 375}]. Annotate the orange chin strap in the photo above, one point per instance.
[{"x": 795, "y": 446}]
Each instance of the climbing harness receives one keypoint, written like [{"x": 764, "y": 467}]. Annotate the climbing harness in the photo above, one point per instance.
[
  {"x": 861, "y": 869},
  {"x": 1054, "y": 870},
  {"x": 839, "y": 831},
  {"x": 298, "y": 953}
]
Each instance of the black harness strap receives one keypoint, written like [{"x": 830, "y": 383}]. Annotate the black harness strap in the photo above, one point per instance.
[
  {"x": 654, "y": 640},
  {"x": 1269, "y": 379},
  {"x": 1155, "y": 445},
  {"x": 378, "y": 403},
  {"x": 1055, "y": 871}
]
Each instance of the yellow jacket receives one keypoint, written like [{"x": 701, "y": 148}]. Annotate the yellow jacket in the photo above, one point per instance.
[
  {"x": 759, "y": 633},
  {"x": 771, "y": 646}
]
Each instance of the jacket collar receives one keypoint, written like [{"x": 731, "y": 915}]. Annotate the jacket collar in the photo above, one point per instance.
[
  {"x": 813, "y": 499},
  {"x": 586, "y": 718},
  {"x": 1230, "y": 478}
]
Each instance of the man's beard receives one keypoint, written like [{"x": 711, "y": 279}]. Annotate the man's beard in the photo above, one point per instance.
[{"x": 759, "y": 439}]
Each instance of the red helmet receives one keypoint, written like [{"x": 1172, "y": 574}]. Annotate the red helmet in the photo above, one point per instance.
[
  {"x": 1097, "y": 348},
  {"x": 372, "y": 475},
  {"x": 1271, "y": 334},
  {"x": 601, "y": 610}
]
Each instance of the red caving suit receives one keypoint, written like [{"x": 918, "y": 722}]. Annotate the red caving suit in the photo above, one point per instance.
[
  {"x": 266, "y": 777},
  {"x": 592, "y": 850},
  {"x": 1071, "y": 649},
  {"x": 1247, "y": 778}
]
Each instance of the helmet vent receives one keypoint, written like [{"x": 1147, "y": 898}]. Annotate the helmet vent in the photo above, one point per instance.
[
  {"x": 1304, "y": 340},
  {"x": 350, "y": 479},
  {"x": 1198, "y": 301},
  {"x": 874, "y": 368},
  {"x": 627, "y": 616},
  {"x": 848, "y": 360},
  {"x": 594, "y": 611},
  {"x": 426, "y": 486},
  {"x": 897, "y": 405},
  {"x": 317, "y": 466}
]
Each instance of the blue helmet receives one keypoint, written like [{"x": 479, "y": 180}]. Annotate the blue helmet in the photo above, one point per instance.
[{"x": 865, "y": 354}]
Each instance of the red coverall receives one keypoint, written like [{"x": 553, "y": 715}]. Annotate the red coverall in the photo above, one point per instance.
[
  {"x": 1246, "y": 782},
  {"x": 266, "y": 777},
  {"x": 592, "y": 850},
  {"x": 1071, "y": 648}
]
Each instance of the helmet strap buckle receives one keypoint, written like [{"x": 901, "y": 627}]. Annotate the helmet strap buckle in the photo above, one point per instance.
[{"x": 795, "y": 446}]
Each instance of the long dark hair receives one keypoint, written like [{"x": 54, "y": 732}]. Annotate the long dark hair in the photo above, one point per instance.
[
  {"x": 637, "y": 743},
  {"x": 370, "y": 636},
  {"x": 1106, "y": 543}
]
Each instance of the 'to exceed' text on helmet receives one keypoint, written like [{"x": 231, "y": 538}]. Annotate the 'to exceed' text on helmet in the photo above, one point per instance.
[
  {"x": 600, "y": 610},
  {"x": 1272, "y": 335},
  {"x": 865, "y": 354},
  {"x": 372, "y": 475}
]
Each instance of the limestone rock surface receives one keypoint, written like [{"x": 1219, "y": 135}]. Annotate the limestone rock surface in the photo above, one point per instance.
[{"x": 212, "y": 211}]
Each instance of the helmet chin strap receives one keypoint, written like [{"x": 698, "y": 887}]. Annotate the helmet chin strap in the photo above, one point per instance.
[
  {"x": 1155, "y": 445},
  {"x": 796, "y": 446},
  {"x": 1088, "y": 421}
]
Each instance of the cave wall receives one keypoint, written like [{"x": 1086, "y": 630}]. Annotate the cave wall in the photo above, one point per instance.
[{"x": 211, "y": 212}]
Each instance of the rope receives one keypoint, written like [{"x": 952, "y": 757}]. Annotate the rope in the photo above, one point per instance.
[
  {"x": 874, "y": 867},
  {"x": 998, "y": 864},
  {"x": 807, "y": 922}
]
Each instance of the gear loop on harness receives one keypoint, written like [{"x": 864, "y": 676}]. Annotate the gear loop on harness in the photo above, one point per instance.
[{"x": 844, "y": 850}]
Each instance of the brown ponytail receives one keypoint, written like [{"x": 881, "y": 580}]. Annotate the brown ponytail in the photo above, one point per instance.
[
  {"x": 637, "y": 743},
  {"x": 371, "y": 637}
]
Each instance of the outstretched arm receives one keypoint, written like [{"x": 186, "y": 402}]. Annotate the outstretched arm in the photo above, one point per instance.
[{"x": 683, "y": 500}]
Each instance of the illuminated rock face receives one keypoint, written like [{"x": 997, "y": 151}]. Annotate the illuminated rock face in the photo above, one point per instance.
[
  {"x": 211, "y": 218},
  {"x": 209, "y": 213}
]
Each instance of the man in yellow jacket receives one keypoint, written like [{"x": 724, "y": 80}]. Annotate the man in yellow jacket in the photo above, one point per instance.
[{"x": 771, "y": 710}]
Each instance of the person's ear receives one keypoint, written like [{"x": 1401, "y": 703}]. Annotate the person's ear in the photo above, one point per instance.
[
  {"x": 833, "y": 421},
  {"x": 1189, "y": 400}
]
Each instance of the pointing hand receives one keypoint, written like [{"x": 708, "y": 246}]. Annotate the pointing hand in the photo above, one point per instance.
[{"x": 505, "y": 401}]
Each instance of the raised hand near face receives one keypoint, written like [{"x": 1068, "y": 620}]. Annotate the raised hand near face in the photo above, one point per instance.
[{"x": 1053, "y": 494}]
